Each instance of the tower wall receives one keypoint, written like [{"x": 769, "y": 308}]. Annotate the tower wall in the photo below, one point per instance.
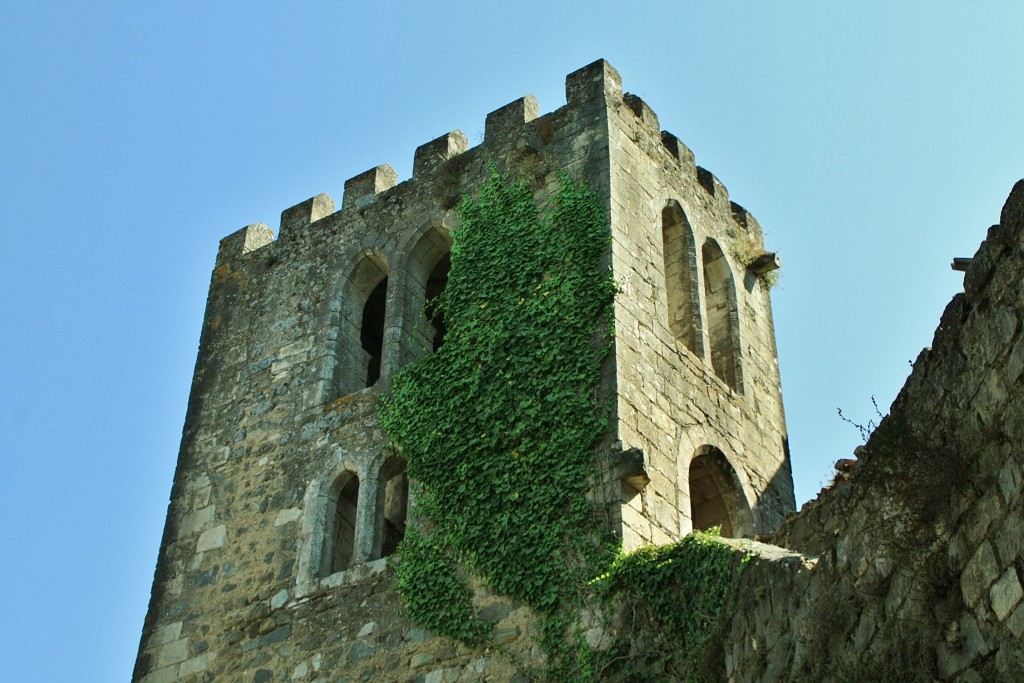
[
  {"x": 680, "y": 393},
  {"x": 280, "y": 419}
]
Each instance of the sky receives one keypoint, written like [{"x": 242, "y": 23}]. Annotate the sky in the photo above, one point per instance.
[{"x": 874, "y": 142}]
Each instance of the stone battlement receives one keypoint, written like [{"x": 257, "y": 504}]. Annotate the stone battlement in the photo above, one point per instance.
[{"x": 517, "y": 123}]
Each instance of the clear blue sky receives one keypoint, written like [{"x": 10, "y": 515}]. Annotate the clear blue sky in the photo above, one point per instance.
[{"x": 874, "y": 142}]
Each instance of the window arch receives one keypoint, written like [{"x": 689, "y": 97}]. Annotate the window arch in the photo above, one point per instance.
[
  {"x": 681, "y": 288},
  {"x": 359, "y": 360},
  {"x": 339, "y": 541},
  {"x": 392, "y": 506},
  {"x": 722, "y": 315},
  {"x": 716, "y": 495},
  {"x": 428, "y": 265}
]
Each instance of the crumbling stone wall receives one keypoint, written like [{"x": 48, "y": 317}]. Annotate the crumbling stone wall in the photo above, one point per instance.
[{"x": 912, "y": 569}]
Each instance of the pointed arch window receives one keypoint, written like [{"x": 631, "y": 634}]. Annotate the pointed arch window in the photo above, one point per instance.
[
  {"x": 716, "y": 496},
  {"x": 429, "y": 263},
  {"x": 681, "y": 287},
  {"x": 722, "y": 315},
  {"x": 341, "y": 515},
  {"x": 392, "y": 506},
  {"x": 360, "y": 355}
]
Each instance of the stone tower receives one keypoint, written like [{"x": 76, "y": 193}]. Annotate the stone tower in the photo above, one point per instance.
[{"x": 286, "y": 504}]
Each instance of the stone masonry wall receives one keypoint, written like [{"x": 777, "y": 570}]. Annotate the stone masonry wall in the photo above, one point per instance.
[
  {"x": 912, "y": 568},
  {"x": 672, "y": 401}
]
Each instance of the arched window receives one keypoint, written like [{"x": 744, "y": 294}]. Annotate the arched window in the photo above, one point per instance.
[
  {"x": 428, "y": 266},
  {"x": 359, "y": 356},
  {"x": 680, "y": 255},
  {"x": 716, "y": 496},
  {"x": 371, "y": 330},
  {"x": 722, "y": 315},
  {"x": 392, "y": 506},
  {"x": 436, "y": 282},
  {"x": 340, "y": 539}
]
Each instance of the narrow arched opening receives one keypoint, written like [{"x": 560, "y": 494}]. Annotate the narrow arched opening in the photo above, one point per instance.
[
  {"x": 716, "y": 495},
  {"x": 429, "y": 263},
  {"x": 436, "y": 283},
  {"x": 681, "y": 287},
  {"x": 371, "y": 330},
  {"x": 359, "y": 353},
  {"x": 393, "y": 506},
  {"x": 340, "y": 516},
  {"x": 722, "y": 315}
]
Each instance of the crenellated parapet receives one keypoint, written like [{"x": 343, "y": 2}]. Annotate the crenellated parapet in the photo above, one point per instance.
[{"x": 519, "y": 123}]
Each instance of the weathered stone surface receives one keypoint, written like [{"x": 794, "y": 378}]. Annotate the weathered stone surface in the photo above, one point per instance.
[{"x": 1006, "y": 593}]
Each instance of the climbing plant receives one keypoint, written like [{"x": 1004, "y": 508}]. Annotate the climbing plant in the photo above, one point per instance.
[
  {"x": 499, "y": 429},
  {"x": 673, "y": 598},
  {"x": 499, "y": 426}
]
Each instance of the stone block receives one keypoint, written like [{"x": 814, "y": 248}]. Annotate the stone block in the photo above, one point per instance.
[
  {"x": 431, "y": 155},
  {"x": 1010, "y": 480},
  {"x": 501, "y": 122},
  {"x": 166, "y": 634},
  {"x": 212, "y": 538},
  {"x": 288, "y": 516},
  {"x": 279, "y": 600},
  {"x": 309, "y": 211},
  {"x": 596, "y": 80},
  {"x": 248, "y": 239},
  {"x": 173, "y": 653},
  {"x": 195, "y": 665},
  {"x": 362, "y": 190},
  {"x": 1016, "y": 622},
  {"x": 1006, "y": 593},
  {"x": 421, "y": 659},
  {"x": 167, "y": 674},
  {"x": 197, "y": 521}
]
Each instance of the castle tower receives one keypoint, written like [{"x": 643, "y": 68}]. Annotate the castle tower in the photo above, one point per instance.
[{"x": 286, "y": 501}]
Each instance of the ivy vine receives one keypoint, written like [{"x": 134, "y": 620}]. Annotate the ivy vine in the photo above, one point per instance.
[
  {"x": 675, "y": 598},
  {"x": 499, "y": 429},
  {"x": 499, "y": 426}
]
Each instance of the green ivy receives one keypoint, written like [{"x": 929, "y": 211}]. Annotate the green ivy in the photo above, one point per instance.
[
  {"x": 499, "y": 426},
  {"x": 678, "y": 595}
]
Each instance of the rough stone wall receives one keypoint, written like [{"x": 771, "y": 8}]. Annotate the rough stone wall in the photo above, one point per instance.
[
  {"x": 914, "y": 565},
  {"x": 278, "y": 412},
  {"x": 672, "y": 401}
]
